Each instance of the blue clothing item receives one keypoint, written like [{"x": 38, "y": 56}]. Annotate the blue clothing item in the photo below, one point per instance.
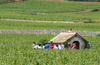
[
  {"x": 46, "y": 46},
  {"x": 37, "y": 43}
]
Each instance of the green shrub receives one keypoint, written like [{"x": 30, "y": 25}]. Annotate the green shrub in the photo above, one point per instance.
[
  {"x": 89, "y": 21},
  {"x": 98, "y": 34},
  {"x": 94, "y": 10},
  {"x": 43, "y": 40},
  {"x": 66, "y": 43}
]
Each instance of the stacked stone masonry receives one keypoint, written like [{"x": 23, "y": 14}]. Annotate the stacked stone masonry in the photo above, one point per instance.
[{"x": 55, "y": 32}]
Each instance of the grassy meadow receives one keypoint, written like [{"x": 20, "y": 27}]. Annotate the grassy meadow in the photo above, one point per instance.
[
  {"x": 4, "y": 0},
  {"x": 70, "y": 17},
  {"x": 16, "y": 49},
  {"x": 34, "y": 6},
  {"x": 20, "y": 25},
  {"x": 54, "y": 11}
]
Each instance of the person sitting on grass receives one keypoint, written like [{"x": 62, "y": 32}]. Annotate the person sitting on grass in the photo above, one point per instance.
[
  {"x": 39, "y": 47},
  {"x": 74, "y": 46},
  {"x": 89, "y": 45},
  {"x": 43, "y": 45},
  {"x": 69, "y": 46},
  {"x": 61, "y": 46},
  {"x": 46, "y": 46},
  {"x": 51, "y": 45},
  {"x": 33, "y": 44},
  {"x": 56, "y": 47},
  {"x": 36, "y": 46}
]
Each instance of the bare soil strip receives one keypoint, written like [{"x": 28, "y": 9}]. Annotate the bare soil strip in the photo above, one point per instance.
[
  {"x": 54, "y": 32},
  {"x": 83, "y": 11},
  {"x": 37, "y": 21}
]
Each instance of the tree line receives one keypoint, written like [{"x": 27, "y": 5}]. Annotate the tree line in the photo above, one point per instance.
[
  {"x": 86, "y": 0},
  {"x": 64, "y": 0},
  {"x": 9, "y": 0}
]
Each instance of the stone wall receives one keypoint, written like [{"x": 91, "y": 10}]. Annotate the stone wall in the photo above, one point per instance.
[
  {"x": 55, "y": 32},
  {"x": 17, "y": 0}
]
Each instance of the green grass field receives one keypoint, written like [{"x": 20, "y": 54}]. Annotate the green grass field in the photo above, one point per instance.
[
  {"x": 16, "y": 49},
  {"x": 18, "y": 25},
  {"x": 4, "y": 0},
  {"x": 73, "y": 17},
  {"x": 19, "y": 10},
  {"x": 34, "y": 6}
]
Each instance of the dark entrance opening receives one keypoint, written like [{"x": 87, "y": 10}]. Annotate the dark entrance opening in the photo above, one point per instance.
[{"x": 77, "y": 44}]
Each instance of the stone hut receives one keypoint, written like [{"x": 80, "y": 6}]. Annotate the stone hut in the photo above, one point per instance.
[{"x": 71, "y": 37}]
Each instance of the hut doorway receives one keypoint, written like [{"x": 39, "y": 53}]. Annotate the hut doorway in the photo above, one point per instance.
[{"x": 77, "y": 44}]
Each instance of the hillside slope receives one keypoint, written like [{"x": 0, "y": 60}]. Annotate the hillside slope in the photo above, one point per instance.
[{"x": 45, "y": 10}]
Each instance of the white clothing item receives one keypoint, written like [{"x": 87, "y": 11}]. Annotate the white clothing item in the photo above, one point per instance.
[
  {"x": 36, "y": 46},
  {"x": 33, "y": 46},
  {"x": 70, "y": 31},
  {"x": 61, "y": 46},
  {"x": 39, "y": 47},
  {"x": 56, "y": 48}
]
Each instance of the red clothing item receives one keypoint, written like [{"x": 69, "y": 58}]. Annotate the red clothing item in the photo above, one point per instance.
[
  {"x": 70, "y": 47},
  {"x": 74, "y": 47},
  {"x": 51, "y": 46}
]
